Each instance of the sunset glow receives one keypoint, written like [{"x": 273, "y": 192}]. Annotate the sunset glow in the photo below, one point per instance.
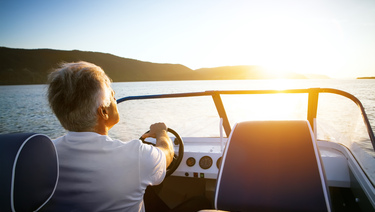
[{"x": 328, "y": 37}]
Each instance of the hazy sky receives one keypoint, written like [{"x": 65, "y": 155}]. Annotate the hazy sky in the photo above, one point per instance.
[{"x": 332, "y": 37}]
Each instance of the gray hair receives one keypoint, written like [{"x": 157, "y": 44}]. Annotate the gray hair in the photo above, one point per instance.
[{"x": 75, "y": 92}]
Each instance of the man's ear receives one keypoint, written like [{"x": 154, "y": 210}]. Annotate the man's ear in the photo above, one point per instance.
[{"x": 103, "y": 113}]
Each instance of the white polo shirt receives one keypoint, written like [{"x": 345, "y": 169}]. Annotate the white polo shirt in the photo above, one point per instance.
[{"x": 101, "y": 174}]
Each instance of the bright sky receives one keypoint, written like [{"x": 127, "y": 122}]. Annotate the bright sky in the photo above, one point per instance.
[{"x": 331, "y": 37}]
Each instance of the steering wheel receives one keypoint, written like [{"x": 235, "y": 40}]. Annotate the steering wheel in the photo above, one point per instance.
[{"x": 177, "y": 158}]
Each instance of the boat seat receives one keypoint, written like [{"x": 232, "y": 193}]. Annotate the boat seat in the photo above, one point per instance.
[
  {"x": 29, "y": 171},
  {"x": 272, "y": 166}
]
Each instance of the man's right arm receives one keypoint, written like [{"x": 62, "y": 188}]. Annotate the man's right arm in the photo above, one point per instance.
[{"x": 163, "y": 142}]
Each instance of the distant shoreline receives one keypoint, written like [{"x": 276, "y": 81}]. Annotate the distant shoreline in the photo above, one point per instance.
[
  {"x": 365, "y": 77},
  {"x": 32, "y": 66}
]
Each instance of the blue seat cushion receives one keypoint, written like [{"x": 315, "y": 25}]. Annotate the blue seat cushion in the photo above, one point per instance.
[
  {"x": 29, "y": 171},
  {"x": 271, "y": 166}
]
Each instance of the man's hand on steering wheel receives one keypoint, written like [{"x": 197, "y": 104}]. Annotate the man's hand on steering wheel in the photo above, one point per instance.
[
  {"x": 155, "y": 130},
  {"x": 164, "y": 143}
]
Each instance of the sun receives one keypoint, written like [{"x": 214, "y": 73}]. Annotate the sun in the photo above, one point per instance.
[{"x": 285, "y": 46}]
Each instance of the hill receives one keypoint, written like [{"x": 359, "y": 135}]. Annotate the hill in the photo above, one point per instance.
[
  {"x": 232, "y": 73},
  {"x": 240, "y": 72},
  {"x": 22, "y": 66},
  {"x": 365, "y": 77},
  {"x": 31, "y": 66}
]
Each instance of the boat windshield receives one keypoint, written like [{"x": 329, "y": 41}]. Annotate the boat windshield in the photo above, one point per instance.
[
  {"x": 335, "y": 115},
  {"x": 340, "y": 120}
]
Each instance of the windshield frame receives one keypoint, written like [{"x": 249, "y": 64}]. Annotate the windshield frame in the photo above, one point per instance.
[{"x": 313, "y": 97}]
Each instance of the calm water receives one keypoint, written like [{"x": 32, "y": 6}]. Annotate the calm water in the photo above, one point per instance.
[{"x": 25, "y": 108}]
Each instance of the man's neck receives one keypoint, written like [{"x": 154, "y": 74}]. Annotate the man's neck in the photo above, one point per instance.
[{"x": 101, "y": 129}]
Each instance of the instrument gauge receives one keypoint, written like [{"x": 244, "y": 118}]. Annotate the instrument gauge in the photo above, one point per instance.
[
  {"x": 205, "y": 162},
  {"x": 218, "y": 162},
  {"x": 190, "y": 162}
]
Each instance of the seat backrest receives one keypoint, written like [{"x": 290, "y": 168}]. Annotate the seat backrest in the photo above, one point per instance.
[
  {"x": 272, "y": 166},
  {"x": 29, "y": 171}
]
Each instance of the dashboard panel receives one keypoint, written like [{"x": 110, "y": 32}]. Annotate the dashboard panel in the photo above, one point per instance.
[{"x": 202, "y": 157}]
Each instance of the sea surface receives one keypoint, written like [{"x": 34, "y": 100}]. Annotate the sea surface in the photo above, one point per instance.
[{"x": 24, "y": 108}]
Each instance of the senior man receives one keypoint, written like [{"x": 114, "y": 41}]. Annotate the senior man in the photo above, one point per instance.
[{"x": 98, "y": 173}]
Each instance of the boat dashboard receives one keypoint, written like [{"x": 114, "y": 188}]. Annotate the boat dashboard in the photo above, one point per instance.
[{"x": 202, "y": 158}]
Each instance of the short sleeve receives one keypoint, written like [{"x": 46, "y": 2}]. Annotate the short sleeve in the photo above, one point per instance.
[{"x": 152, "y": 165}]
